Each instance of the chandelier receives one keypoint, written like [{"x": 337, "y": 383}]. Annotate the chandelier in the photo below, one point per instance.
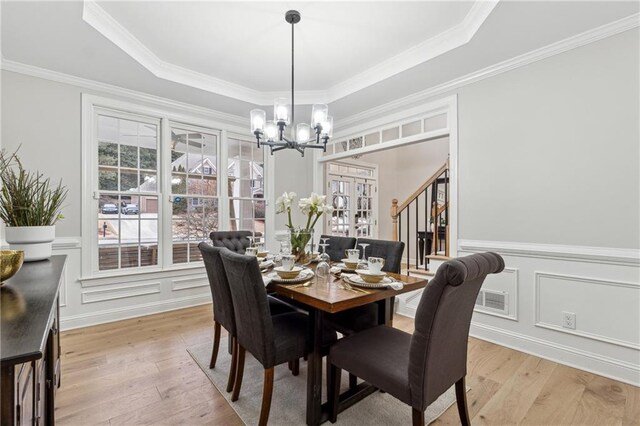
[{"x": 272, "y": 133}]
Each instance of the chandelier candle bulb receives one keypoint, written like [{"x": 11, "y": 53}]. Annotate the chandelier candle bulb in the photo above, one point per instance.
[
  {"x": 319, "y": 114},
  {"x": 327, "y": 127},
  {"x": 281, "y": 110},
  {"x": 258, "y": 118},
  {"x": 303, "y": 132},
  {"x": 271, "y": 130}
]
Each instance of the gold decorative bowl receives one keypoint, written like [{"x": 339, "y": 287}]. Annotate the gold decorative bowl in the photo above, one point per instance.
[{"x": 10, "y": 263}]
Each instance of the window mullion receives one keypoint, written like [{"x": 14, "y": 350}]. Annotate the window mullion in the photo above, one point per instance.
[
  {"x": 165, "y": 243},
  {"x": 223, "y": 183}
]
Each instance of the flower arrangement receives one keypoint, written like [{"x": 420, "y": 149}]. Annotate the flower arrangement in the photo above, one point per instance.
[{"x": 313, "y": 207}]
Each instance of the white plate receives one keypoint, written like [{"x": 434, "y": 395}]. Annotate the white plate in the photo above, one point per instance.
[
  {"x": 304, "y": 275},
  {"x": 373, "y": 274},
  {"x": 344, "y": 268},
  {"x": 359, "y": 282}
]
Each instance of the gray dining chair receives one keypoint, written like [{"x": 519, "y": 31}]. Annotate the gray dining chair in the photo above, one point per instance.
[
  {"x": 223, "y": 312},
  {"x": 417, "y": 368},
  {"x": 338, "y": 245},
  {"x": 236, "y": 241},
  {"x": 272, "y": 340}
]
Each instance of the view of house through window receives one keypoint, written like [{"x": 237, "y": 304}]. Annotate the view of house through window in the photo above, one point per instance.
[
  {"x": 194, "y": 190},
  {"x": 143, "y": 175},
  {"x": 128, "y": 193},
  {"x": 246, "y": 185}
]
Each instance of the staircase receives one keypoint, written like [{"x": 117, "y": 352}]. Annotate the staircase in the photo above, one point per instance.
[
  {"x": 414, "y": 222},
  {"x": 426, "y": 245}
]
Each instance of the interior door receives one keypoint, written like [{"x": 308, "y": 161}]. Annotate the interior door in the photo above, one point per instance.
[{"x": 352, "y": 190}]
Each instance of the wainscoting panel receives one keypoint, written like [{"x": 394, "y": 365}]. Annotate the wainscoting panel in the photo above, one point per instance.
[
  {"x": 505, "y": 283},
  {"x": 618, "y": 303},
  {"x": 120, "y": 292},
  {"x": 187, "y": 283}
]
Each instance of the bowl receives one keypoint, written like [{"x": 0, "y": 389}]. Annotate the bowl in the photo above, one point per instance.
[
  {"x": 370, "y": 277},
  {"x": 10, "y": 263},
  {"x": 350, "y": 264},
  {"x": 286, "y": 274}
]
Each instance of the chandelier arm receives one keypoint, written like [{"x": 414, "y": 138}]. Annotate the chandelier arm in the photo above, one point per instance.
[{"x": 293, "y": 105}]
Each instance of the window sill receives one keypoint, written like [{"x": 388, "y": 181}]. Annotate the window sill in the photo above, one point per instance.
[{"x": 134, "y": 275}]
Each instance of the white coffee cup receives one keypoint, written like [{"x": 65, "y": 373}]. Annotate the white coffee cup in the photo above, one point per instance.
[
  {"x": 288, "y": 261},
  {"x": 352, "y": 254},
  {"x": 251, "y": 251},
  {"x": 376, "y": 264}
]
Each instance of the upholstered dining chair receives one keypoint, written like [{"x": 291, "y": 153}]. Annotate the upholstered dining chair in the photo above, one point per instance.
[
  {"x": 223, "y": 312},
  {"x": 338, "y": 245},
  {"x": 417, "y": 368},
  {"x": 236, "y": 241},
  {"x": 272, "y": 340},
  {"x": 362, "y": 317}
]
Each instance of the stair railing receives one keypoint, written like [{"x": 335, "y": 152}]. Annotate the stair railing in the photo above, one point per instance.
[{"x": 424, "y": 202}]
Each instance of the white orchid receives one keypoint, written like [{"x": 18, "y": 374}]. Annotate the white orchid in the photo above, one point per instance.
[{"x": 284, "y": 202}]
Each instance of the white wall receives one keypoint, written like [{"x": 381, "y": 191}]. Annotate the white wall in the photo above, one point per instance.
[
  {"x": 549, "y": 176},
  {"x": 45, "y": 118}
]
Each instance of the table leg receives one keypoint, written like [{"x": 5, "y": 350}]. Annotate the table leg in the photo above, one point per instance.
[
  {"x": 314, "y": 372},
  {"x": 385, "y": 311}
]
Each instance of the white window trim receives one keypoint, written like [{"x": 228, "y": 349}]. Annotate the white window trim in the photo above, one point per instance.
[{"x": 166, "y": 117}]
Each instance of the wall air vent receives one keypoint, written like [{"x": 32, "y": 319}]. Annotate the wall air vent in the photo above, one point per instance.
[{"x": 493, "y": 301}]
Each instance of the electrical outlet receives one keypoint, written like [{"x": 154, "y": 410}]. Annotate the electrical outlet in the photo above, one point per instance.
[{"x": 569, "y": 320}]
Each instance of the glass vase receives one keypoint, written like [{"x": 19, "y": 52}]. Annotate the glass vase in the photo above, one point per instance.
[{"x": 300, "y": 239}]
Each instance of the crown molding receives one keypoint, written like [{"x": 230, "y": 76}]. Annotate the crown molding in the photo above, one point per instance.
[
  {"x": 587, "y": 37},
  {"x": 444, "y": 42},
  {"x": 72, "y": 80},
  {"x": 450, "y": 39}
]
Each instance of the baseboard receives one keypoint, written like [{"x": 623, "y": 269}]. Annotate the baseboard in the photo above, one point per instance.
[
  {"x": 572, "y": 357},
  {"x": 133, "y": 311}
]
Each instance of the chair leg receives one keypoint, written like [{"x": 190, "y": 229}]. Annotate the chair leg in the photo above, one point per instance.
[
  {"x": 353, "y": 381},
  {"x": 267, "y": 392},
  {"x": 333, "y": 388},
  {"x": 234, "y": 364},
  {"x": 239, "y": 372},
  {"x": 290, "y": 365},
  {"x": 216, "y": 344},
  {"x": 295, "y": 369},
  {"x": 418, "y": 417},
  {"x": 461, "y": 398}
]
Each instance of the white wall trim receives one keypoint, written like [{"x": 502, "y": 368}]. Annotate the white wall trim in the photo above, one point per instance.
[
  {"x": 578, "y": 40},
  {"x": 437, "y": 45},
  {"x": 120, "y": 292},
  {"x": 60, "y": 243},
  {"x": 189, "y": 282},
  {"x": 614, "y": 256},
  {"x": 131, "y": 311},
  {"x": 577, "y": 358},
  {"x": 133, "y": 95},
  {"x": 539, "y": 323}
]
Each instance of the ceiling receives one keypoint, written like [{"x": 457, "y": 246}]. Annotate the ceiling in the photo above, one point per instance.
[{"x": 231, "y": 56}]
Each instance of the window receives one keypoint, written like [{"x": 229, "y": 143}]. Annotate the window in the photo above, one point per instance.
[
  {"x": 128, "y": 192},
  {"x": 155, "y": 188},
  {"x": 246, "y": 185},
  {"x": 194, "y": 193}
]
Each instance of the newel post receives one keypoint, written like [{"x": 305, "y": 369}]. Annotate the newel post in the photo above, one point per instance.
[{"x": 394, "y": 219}]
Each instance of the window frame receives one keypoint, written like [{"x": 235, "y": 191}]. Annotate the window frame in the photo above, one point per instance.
[{"x": 90, "y": 107}]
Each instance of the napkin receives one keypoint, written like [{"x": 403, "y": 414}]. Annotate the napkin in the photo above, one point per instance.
[
  {"x": 335, "y": 270},
  {"x": 266, "y": 264},
  {"x": 266, "y": 280}
]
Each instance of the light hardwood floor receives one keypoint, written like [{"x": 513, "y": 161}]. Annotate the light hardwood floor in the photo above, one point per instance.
[{"x": 138, "y": 372}]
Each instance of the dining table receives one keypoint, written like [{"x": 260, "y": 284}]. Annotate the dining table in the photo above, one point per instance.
[{"x": 330, "y": 296}]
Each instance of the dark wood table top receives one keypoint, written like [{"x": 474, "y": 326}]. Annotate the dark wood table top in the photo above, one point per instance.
[
  {"x": 28, "y": 302},
  {"x": 332, "y": 298}
]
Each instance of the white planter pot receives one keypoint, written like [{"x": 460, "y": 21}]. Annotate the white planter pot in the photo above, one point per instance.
[{"x": 35, "y": 241}]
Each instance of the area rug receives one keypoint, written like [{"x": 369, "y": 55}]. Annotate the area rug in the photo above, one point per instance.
[{"x": 289, "y": 395}]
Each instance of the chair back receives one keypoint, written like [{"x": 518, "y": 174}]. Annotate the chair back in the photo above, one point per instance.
[
  {"x": 438, "y": 353},
  {"x": 220, "y": 292},
  {"x": 254, "y": 327},
  {"x": 391, "y": 251},
  {"x": 235, "y": 241},
  {"x": 337, "y": 246}
]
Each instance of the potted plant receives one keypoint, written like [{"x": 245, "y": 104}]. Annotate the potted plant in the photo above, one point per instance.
[
  {"x": 313, "y": 207},
  {"x": 29, "y": 207}
]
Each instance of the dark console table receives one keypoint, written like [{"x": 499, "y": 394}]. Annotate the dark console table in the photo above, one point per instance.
[{"x": 30, "y": 343}]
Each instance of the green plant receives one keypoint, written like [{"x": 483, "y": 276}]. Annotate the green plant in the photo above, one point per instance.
[{"x": 27, "y": 198}]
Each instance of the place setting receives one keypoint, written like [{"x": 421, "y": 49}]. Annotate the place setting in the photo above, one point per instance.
[{"x": 289, "y": 272}]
